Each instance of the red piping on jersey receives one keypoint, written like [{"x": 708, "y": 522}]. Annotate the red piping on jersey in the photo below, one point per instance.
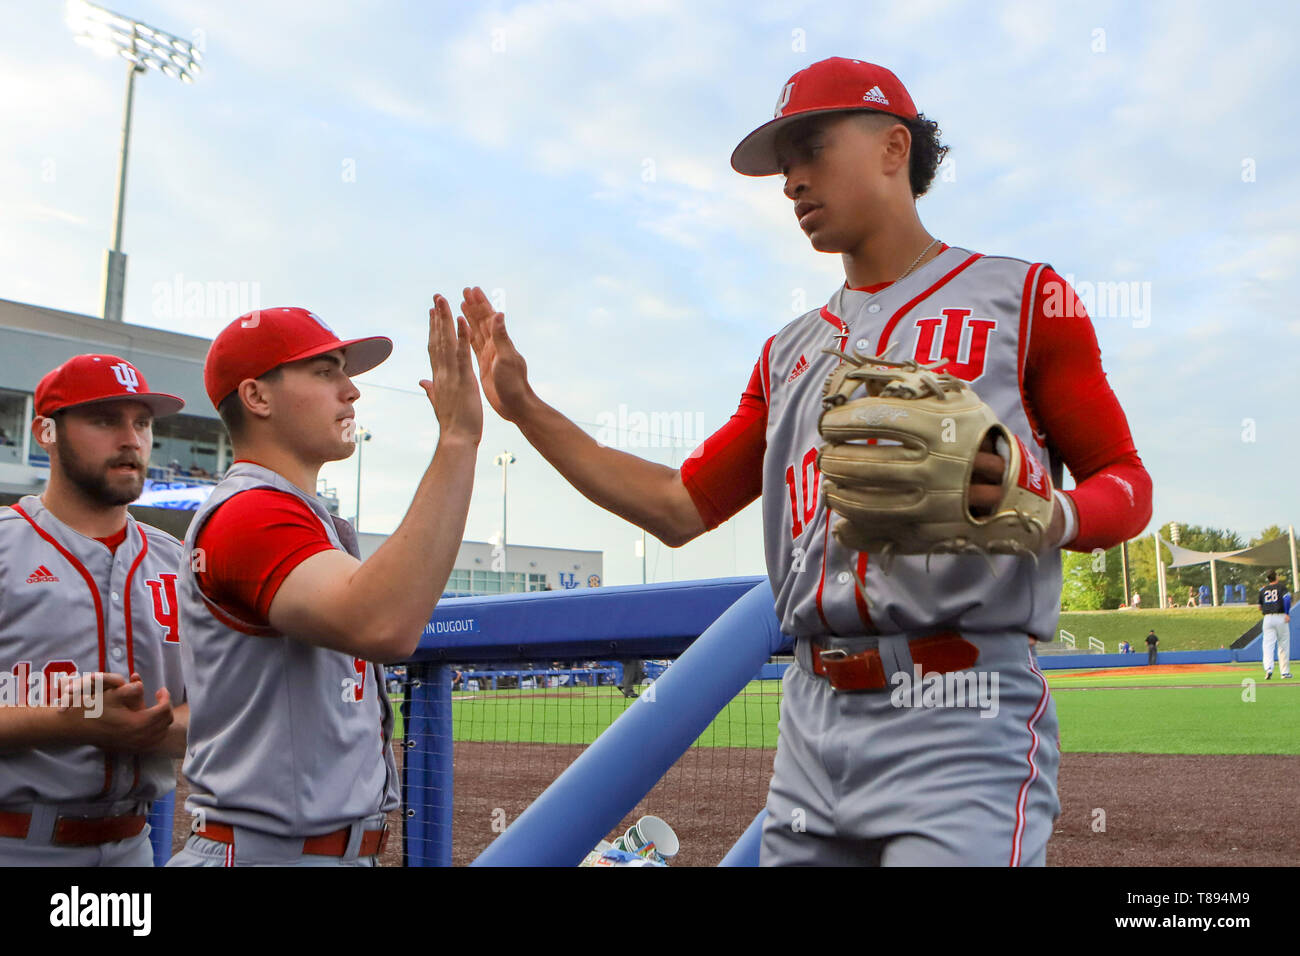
[
  {"x": 130, "y": 640},
  {"x": 863, "y": 611},
  {"x": 767, "y": 373},
  {"x": 836, "y": 321},
  {"x": 839, "y": 324},
  {"x": 1019, "y": 833},
  {"x": 897, "y": 316},
  {"x": 1026, "y": 328},
  {"x": 99, "y": 616},
  {"x": 821, "y": 584}
]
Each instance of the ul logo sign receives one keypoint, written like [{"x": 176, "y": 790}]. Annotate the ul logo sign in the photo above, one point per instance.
[
  {"x": 964, "y": 342},
  {"x": 126, "y": 376}
]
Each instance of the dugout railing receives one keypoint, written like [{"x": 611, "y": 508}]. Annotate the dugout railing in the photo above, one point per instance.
[{"x": 722, "y": 634}]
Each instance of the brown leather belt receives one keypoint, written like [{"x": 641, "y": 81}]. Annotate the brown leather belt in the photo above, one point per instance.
[
  {"x": 76, "y": 831},
  {"x": 939, "y": 653},
  {"x": 327, "y": 844}
]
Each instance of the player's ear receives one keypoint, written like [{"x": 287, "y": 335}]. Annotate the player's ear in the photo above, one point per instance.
[
  {"x": 255, "y": 396},
  {"x": 896, "y": 148}
]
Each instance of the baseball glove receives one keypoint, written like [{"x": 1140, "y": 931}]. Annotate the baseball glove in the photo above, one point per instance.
[{"x": 901, "y": 440}]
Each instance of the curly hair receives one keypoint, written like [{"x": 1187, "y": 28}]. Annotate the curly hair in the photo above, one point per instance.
[{"x": 927, "y": 153}]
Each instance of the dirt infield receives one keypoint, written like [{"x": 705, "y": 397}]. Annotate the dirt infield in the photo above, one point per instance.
[
  {"x": 1154, "y": 670},
  {"x": 1159, "y": 810}
]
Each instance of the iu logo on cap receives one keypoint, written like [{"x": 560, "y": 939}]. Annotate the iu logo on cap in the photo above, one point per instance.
[
  {"x": 126, "y": 376},
  {"x": 784, "y": 101}
]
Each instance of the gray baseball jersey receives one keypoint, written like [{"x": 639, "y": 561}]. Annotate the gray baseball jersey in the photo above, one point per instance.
[
  {"x": 909, "y": 776},
  {"x": 286, "y": 738},
  {"x": 972, "y": 309},
  {"x": 70, "y": 606}
]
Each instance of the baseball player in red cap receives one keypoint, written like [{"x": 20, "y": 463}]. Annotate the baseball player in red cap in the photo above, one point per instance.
[
  {"x": 864, "y": 774},
  {"x": 91, "y": 698},
  {"x": 290, "y": 752}
]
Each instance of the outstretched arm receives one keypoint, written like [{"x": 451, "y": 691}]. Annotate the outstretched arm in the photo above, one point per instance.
[
  {"x": 377, "y": 609},
  {"x": 649, "y": 495}
]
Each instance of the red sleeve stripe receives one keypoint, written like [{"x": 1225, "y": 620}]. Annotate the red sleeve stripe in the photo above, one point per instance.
[
  {"x": 1027, "y": 312},
  {"x": 897, "y": 316}
]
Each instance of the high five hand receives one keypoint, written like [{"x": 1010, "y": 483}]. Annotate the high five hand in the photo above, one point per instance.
[
  {"x": 502, "y": 369},
  {"x": 453, "y": 390}
]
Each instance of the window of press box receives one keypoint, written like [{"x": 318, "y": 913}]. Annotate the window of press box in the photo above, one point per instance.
[
  {"x": 13, "y": 423},
  {"x": 186, "y": 447}
]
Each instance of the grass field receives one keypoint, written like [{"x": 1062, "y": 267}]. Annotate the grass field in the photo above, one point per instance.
[
  {"x": 1200, "y": 712},
  {"x": 1179, "y": 629},
  {"x": 1193, "y": 710}
]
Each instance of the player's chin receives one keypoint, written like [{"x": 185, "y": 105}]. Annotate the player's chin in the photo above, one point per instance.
[{"x": 824, "y": 240}]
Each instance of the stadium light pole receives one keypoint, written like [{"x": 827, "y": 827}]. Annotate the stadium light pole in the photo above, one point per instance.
[
  {"x": 505, "y": 460},
  {"x": 362, "y": 436},
  {"x": 144, "y": 48}
]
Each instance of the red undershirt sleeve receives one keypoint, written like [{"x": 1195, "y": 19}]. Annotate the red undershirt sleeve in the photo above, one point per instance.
[
  {"x": 725, "y": 473},
  {"x": 251, "y": 544},
  {"x": 1071, "y": 402}
]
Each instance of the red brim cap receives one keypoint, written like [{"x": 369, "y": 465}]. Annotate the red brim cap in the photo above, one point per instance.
[
  {"x": 94, "y": 378},
  {"x": 256, "y": 343},
  {"x": 835, "y": 85}
]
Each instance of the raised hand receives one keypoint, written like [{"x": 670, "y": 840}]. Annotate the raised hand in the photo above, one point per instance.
[
  {"x": 502, "y": 369},
  {"x": 453, "y": 389}
]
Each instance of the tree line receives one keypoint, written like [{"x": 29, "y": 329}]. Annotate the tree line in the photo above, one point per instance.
[{"x": 1095, "y": 581}]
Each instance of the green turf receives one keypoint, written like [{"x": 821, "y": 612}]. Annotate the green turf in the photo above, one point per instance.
[
  {"x": 1198, "y": 720},
  {"x": 564, "y": 716},
  {"x": 1099, "y": 711},
  {"x": 1179, "y": 629}
]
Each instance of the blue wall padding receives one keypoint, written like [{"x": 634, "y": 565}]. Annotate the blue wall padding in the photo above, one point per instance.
[
  {"x": 643, "y": 620},
  {"x": 427, "y": 767},
  {"x": 611, "y": 776}
]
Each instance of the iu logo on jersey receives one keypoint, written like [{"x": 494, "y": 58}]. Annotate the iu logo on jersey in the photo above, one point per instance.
[
  {"x": 964, "y": 351},
  {"x": 164, "y": 606},
  {"x": 126, "y": 376}
]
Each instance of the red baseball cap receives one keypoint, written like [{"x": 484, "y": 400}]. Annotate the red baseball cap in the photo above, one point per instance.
[
  {"x": 828, "y": 86},
  {"x": 264, "y": 339},
  {"x": 99, "y": 378}
]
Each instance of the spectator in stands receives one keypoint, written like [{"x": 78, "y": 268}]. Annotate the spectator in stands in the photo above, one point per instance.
[
  {"x": 1137, "y": 601},
  {"x": 1191, "y": 596},
  {"x": 1125, "y": 647},
  {"x": 4, "y": 437},
  {"x": 1152, "y": 641}
]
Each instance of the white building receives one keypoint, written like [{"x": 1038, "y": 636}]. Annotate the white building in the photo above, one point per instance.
[
  {"x": 192, "y": 448},
  {"x": 478, "y": 570}
]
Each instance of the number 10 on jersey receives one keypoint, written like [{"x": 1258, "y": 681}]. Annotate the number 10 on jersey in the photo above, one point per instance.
[{"x": 803, "y": 486}]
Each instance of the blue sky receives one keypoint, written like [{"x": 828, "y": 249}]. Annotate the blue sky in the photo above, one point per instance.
[{"x": 572, "y": 158}]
